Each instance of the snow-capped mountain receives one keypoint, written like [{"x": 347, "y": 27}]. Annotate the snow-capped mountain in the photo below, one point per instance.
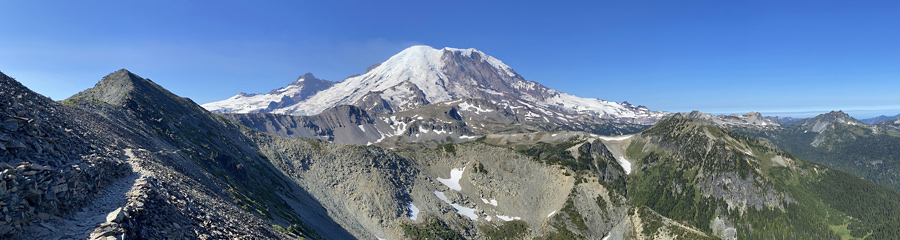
[
  {"x": 305, "y": 86},
  {"x": 422, "y": 75}
]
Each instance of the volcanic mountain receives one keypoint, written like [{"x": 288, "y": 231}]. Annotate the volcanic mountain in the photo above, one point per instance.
[{"x": 422, "y": 75}]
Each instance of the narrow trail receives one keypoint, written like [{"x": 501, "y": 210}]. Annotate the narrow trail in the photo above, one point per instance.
[{"x": 80, "y": 224}]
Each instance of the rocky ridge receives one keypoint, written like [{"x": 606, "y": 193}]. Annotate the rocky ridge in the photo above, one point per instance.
[
  {"x": 748, "y": 120},
  {"x": 51, "y": 157},
  {"x": 439, "y": 123}
]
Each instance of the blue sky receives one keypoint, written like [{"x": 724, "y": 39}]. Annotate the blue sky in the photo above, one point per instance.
[{"x": 778, "y": 57}]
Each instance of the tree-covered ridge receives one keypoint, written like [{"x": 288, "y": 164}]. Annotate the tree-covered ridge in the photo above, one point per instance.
[
  {"x": 694, "y": 172},
  {"x": 858, "y": 150}
]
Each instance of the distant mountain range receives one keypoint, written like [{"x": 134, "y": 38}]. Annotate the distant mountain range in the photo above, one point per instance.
[
  {"x": 791, "y": 120},
  {"x": 840, "y": 141},
  {"x": 877, "y": 119}
]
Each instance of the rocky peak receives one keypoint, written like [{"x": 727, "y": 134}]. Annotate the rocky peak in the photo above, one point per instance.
[
  {"x": 307, "y": 77},
  {"x": 125, "y": 89},
  {"x": 372, "y": 67},
  {"x": 307, "y": 84},
  {"x": 755, "y": 115},
  {"x": 820, "y": 122},
  {"x": 115, "y": 88},
  {"x": 301, "y": 89},
  {"x": 834, "y": 115},
  {"x": 828, "y": 122}
]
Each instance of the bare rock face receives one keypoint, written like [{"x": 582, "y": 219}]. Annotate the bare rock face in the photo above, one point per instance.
[
  {"x": 53, "y": 157},
  {"x": 373, "y": 103},
  {"x": 115, "y": 216},
  {"x": 108, "y": 230},
  {"x": 59, "y": 158}
]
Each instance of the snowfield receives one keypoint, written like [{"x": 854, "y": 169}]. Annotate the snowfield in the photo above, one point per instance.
[
  {"x": 413, "y": 211},
  {"x": 455, "y": 176},
  {"x": 508, "y": 218},
  {"x": 615, "y": 138},
  {"x": 468, "y": 212}
]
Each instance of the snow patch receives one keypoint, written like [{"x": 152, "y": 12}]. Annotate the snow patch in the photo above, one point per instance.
[
  {"x": 413, "y": 211},
  {"x": 465, "y": 106},
  {"x": 615, "y": 138},
  {"x": 626, "y": 165},
  {"x": 491, "y": 202},
  {"x": 508, "y": 218},
  {"x": 467, "y": 137},
  {"x": 551, "y": 214},
  {"x": 468, "y": 212},
  {"x": 362, "y": 128},
  {"x": 453, "y": 182}
]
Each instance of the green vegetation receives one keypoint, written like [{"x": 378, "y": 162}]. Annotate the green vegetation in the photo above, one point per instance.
[
  {"x": 516, "y": 229},
  {"x": 842, "y": 231},
  {"x": 558, "y": 154},
  {"x": 70, "y": 102},
  {"x": 450, "y": 148},
  {"x": 479, "y": 168},
  {"x": 651, "y": 221},
  {"x": 293, "y": 230},
  {"x": 602, "y": 128},
  {"x": 566, "y": 216},
  {"x": 430, "y": 229},
  {"x": 822, "y": 203},
  {"x": 854, "y": 149},
  {"x": 668, "y": 188},
  {"x": 561, "y": 233},
  {"x": 876, "y": 209}
]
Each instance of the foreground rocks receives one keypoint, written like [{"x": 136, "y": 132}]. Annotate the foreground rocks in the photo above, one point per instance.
[{"x": 59, "y": 163}]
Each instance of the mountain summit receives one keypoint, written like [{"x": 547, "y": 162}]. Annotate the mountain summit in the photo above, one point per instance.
[
  {"x": 299, "y": 90},
  {"x": 115, "y": 88},
  {"x": 422, "y": 75}
]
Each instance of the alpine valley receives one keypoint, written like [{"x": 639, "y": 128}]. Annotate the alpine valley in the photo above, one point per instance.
[{"x": 430, "y": 144}]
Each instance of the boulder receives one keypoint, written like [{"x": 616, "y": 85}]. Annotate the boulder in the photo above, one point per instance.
[{"x": 115, "y": 216}]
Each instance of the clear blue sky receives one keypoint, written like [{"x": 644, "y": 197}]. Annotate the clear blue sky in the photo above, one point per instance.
[{"x": 786, "y": 57}]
